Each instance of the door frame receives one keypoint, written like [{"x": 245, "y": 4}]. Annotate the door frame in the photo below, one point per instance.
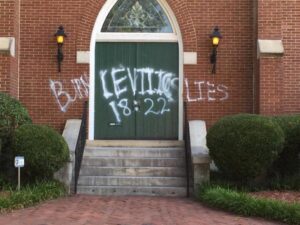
[{"x": 97, "y": 36}]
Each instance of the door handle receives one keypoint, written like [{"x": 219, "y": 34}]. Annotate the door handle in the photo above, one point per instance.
[{"x": 115, "y": 124}]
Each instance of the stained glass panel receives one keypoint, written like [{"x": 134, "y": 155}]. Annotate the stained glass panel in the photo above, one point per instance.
[{"x": 137, "y": 16}]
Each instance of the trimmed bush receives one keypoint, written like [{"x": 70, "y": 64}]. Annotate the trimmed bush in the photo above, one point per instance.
[
  {"x": 288, "y": 162},
  {"x": 12, "y": 115},
  {"x": 244, "y": 146},
  {"x": 44, "y": 149}
]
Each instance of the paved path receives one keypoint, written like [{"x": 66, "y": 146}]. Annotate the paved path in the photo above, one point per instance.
[{"x": 91, "y": 210}]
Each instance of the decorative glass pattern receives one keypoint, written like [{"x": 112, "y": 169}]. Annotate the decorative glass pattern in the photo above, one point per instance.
[{"x": 137, "y": 16}]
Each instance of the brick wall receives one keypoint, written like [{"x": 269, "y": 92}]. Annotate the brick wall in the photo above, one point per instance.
[
  {"x": 40, "y": 19},
  {"x": 270, "y": 67},
  {"x": 271, "y": 91},
  {"x": 14, "y": 61},
  {"x": 6, "y": 30},
  {"x": 241, "y": 84},
  {"x": 279, "y": 76},
  {"x": 39, "y": 22},
  {"x": 290, "y": 26},
  {"x": 235, "y": 54},
  {"x": 4, "y": 71},
  {"x": 9, "y": 27}
]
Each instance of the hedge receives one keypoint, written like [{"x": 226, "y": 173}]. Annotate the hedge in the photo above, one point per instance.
[
  {"x": 44, "y": 149},
  {"x": 244, "y": 146}
]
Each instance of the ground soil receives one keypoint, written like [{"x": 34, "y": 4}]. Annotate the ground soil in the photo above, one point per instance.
[
  {"x": 4, "y": 194},
  {"x": 288, "y": 196}
]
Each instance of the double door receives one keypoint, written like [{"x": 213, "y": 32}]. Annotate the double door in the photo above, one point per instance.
[{"x": 136, "y": 91}]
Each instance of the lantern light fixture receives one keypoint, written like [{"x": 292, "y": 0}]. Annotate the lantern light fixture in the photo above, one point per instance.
[
  {"x": 215, "y": 38},
  {"x": 60, "y": 37}
]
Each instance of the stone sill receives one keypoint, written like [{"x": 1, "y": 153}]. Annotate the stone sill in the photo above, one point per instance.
[
  {"x": 269, "y": 48},
  {"x": 7, "y": 46}
]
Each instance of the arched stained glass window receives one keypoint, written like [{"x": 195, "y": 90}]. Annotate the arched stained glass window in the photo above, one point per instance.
[{"x": 137, "y": 16}]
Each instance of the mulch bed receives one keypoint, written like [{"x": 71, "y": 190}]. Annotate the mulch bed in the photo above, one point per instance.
[
  {"x": 4, "y": 194},
  {"x": 288, "y": 196}
]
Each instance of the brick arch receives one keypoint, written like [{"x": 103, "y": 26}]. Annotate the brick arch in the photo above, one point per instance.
[
  {"x": 186, "y": 24},
  {"x": 90, "y": 10}
]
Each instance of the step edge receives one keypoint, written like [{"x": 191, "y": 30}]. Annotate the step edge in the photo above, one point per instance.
[
  {"x": 138, "y": 167},
  {"x": 126, "y": 157},
  {"x": 90, "y": 148},
  {"x": 133, "y": 177},
  {"x": 123, "y": 187},
  {"x": 134, "y": 143}
]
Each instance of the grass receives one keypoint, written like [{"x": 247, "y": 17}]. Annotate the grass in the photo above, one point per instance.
[
  {"x": 291, "y": 183},
  {"x": 244, "y": 204},
  {"x": 30, "y": 195}
]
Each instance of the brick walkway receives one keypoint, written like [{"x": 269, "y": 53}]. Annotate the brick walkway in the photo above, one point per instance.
[{"x": 91, "y": 210}]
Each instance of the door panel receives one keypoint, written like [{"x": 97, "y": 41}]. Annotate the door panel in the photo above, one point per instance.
[
  {"x": 158, "y": 118},
  {"x": 110, "y": 123},
  {"x": 136, "y": 91}
]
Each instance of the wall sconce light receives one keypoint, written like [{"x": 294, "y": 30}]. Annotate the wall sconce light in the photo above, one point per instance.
[
  {"x": 60, "y": 36},
  {"x": 215, "y": 38}
]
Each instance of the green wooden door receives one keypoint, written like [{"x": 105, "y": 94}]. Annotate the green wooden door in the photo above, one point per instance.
[{"x": 136, "y": 91}]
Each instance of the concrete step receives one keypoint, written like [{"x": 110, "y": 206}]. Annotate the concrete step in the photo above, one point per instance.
[
  {"x": 154, "y": 168},
  {"x": 118, "y": 191},
  {"x": 133, "y": 171},
  {"x": 134, "y": 143},
  {"x": 176, "y": 152},
  {"x": 132, "y": 181},
  {"x": 133, "y": 162}
]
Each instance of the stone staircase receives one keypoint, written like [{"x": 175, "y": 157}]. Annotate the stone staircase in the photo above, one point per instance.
[{"x": 155, "y": 168}]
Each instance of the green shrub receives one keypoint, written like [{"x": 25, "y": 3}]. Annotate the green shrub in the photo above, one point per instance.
[
  {"x": 244, "y": 146},
  {"x": 12, "y": 115},
  {"x": 288, "y": 162},
  {"x": 244, "y": 204},
  {"x": 289, "y": 183},
  {"x": 45, "y": 150},
  {"x": 30, "y": 195}
]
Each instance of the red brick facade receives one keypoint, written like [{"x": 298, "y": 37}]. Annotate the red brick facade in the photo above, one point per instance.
[
  {"x": 9, "y": 27},
  {"x": 268, "y": 85}
]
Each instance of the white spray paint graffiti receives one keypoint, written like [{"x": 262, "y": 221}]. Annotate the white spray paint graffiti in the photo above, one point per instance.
[
  {"x": 164, "y": 106},
  {"x": 155, "y": 86},
  {"x": 206, "y": 91},
  {"x": 161, "y": 91},
  {"x": 63, "y": 98},
  {"x": 166, "y": 82}
]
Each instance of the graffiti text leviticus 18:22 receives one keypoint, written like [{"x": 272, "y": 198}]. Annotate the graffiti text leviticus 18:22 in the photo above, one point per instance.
[{"x": 154, "y": 86}]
